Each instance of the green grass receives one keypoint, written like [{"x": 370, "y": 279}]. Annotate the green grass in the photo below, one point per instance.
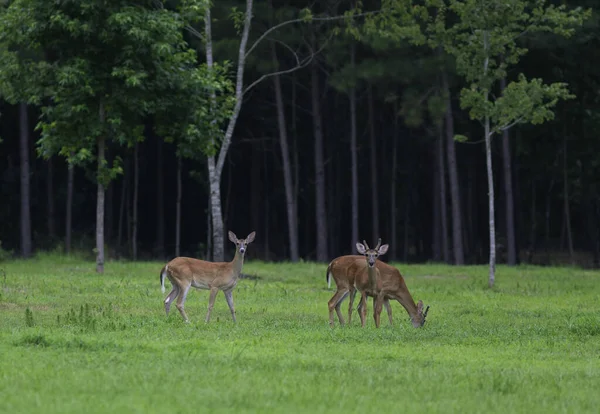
[{"x": 72, "y": 341}]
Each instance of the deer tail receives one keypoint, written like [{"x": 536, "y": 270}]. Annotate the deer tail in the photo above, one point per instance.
[
  {"x": 328, "y": 275},
  {"x": 163, "y": 274}
]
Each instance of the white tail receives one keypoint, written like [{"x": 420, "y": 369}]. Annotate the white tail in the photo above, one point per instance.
[{"x": 185, "y": 272}]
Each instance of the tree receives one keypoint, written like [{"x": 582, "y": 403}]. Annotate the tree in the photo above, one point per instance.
[
  {"x": 109, "y": 65},
  {"x": 483, "y": 36}
]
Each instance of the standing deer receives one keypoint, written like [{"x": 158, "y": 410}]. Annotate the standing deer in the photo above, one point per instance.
[
  {"x": 185, "y": 272},
  {"x": 353, "y": 272},
  {"x": 344, "y": 271},
  {"x": 384, "y": 282}
]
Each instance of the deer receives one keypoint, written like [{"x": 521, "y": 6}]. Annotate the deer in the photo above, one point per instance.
[
  {"x": 344, "y": 271},
  {"x": 372, "y": 278},
  {"x": 185, "y": 272}
]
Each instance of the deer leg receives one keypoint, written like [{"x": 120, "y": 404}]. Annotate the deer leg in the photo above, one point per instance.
[
  {"x": 377, "y": 306},
  {"x": 352, "y": 296},
  {"x": 211, "y": 302},
  {"x": 229, "y": 299},
  {"x": 182, "y": 294},
  {"x": 169, "y": 299},
  {"x": 388, "y": 308},
  {"x": 334, "y": 303},
  {"x": 362, "y": 308}
]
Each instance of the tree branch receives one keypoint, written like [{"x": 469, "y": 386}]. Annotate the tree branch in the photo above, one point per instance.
[
  {"x": 504, "y": 128},
  {"x": 299, "y": 65},
  {"x": 313, "y": 19}
]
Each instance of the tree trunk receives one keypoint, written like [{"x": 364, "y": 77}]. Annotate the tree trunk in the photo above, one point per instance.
[
  {"x": 50, "y": 200},
  {"x": 533, "y": 223},
  {"x": 457, "y": 229},
  {"x": 108, "y": 215},
  {"x": 100, "y": 197},
  {"x": 393, "y": 186},
  {"x": 69, "y": 208},
  {"x": 160, "y": 200},
  {"x": 373, "y": 153},
  {"x": 123, "y": 205},
  {"x": 566, "y": 200},
  {"x": 178, "y": 210},
  {"x": 354, "y": 160},
  {"x": 136, "y": 183},
  {"x": 321, "y": 229},
  {"x": 26, "y": 244},
  {"x": 256, "y": 183},
  {"x": 215, "y": 167},
  {"x": 436, "y": 233},
  {"x": 492, "y": 225},
  {"x": 508, "y": 195},
  {"x": 442, "y": 199},
  {"x": 291, "y": 207}
]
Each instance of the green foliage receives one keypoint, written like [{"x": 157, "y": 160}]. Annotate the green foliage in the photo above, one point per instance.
[
  {"x": 529, "y": 343},
  {"x": 107, "y": 67},
  {"x": 483, "y": 36},
  {"x": 29, "y": 322}
]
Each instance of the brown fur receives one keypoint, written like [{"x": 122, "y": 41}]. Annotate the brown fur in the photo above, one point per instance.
[
  {"x": 351, "y": 273},
  {"x": 186, "y": 272}
]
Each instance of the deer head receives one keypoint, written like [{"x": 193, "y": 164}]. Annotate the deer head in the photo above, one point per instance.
[
  {"x": 242, "y": 244},
  {"x": 371, "y": 254},
  {"x": 421, "y": 315}
]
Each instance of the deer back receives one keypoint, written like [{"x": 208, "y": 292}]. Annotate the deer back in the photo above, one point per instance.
[
  {"x": 201, "y": 273},
  {"x": 345, "y": 269}
]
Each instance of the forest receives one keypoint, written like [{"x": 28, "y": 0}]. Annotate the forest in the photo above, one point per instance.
[{"x": 457, "y": 131}]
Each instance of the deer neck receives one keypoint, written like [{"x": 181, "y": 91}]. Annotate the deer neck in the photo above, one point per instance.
[
  {"x": 372, "y": 274},
  {"x": 237, "y": 263},
  {"x": 409, "y": 304}
]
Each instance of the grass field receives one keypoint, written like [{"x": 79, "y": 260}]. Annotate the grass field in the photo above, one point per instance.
[{"x": 72, "y": 341}]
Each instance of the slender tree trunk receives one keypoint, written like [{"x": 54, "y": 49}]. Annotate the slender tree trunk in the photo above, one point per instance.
[
  {"x": 160, "y": 200},
  {"x": 442, "y": 198},
  {"x": 457, "y": 229},
  {"x": 100, "y": 197},
  {"x": 566, "y": 200},
  {"x": 354, "y": 159},
  {"x": 178, "y": 210},
  {"x": 108, "y": 219},
  {"x": 26, "y": 244},
  {"x": 321, "y": 229},
  {"x": 533, "y": 223},
  {"x": 123, "y": 205},
  {"x": 393, "y": 186},
  {"x": 436, "y": 233},
  {"x": 547, "y": 224},
  {"x": 508, "y": 195},
  {"x": 69, "y": 208},
  {"x": 292, "y": 214},
  {"x": 256, "y": 193},
  {"x": 215, "y": 167},
  {"x": 50, "y": 200},
  {"x": 136, "y": 184},
  {"x": 490, "y": 177},
  {"x": 373, "y": 152}
]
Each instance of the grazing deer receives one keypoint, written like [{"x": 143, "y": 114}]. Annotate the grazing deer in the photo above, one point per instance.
[
  {"x": 344, "y": 271},
  {"x": 351, "y": 272},
  {"x": 384, "y": 282},
  {"x": 185, "y": 272}
]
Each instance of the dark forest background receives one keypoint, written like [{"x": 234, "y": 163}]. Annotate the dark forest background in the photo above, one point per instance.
[{"x": 554, "y": 166}]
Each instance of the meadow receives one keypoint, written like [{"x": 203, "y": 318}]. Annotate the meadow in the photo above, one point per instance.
[{"x": 73, "y": 341}]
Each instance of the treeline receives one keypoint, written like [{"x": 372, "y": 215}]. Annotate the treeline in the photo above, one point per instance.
[{"x": 348, "y": 122}]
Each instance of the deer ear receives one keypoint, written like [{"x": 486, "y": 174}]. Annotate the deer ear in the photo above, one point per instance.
[
  {"x": 383, "y": 249},
  {"x": 251, "y": 237},
  {"x": 420, "y": 307},
  {"x": 233, "y": 237},
  {"x": 361, "y": 248}
]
